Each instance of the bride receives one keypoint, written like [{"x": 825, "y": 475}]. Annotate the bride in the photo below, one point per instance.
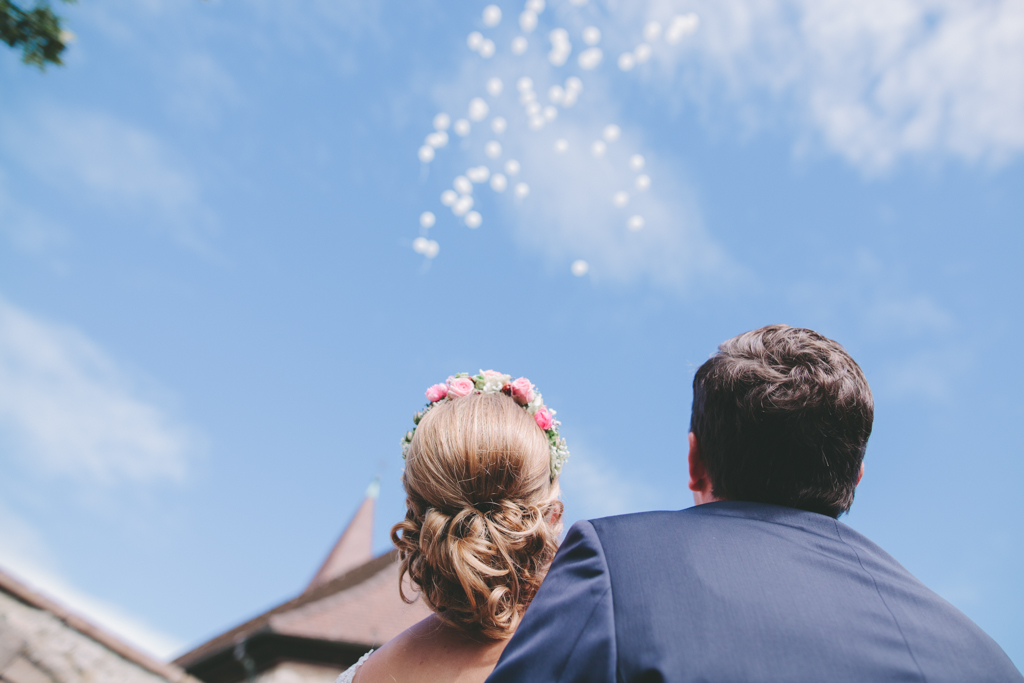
[{"x": 482, "y": 526}]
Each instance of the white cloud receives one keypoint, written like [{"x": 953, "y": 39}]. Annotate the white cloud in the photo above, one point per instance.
[
  {"x": 101, "y": 159},
  {"x": 593, "y": 487},
  {"x": 67, "y": 407},
  {"x": 26, "y": 557},
  {"x": 878, "y": 80}
]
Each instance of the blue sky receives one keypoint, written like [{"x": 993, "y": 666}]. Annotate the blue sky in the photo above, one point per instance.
[{"x": 214, "y": 328}]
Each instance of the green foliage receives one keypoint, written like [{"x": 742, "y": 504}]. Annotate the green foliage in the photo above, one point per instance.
[{"x": 36, "y": 31}]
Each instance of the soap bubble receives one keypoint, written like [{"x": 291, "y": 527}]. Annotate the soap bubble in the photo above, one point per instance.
[
  {"x": 620, "y": 199},
  {"x": 461, "y": 127},
  {"x": 449, "y": 197},
  {"x": 512, "y": 167},
  {"x": 426, "y": 154},
  {"x": 579, "y": 267},
  {"x": 536, "y": 122},
  {"x": 558, "y": 56},
  {"x": 527, "y": 97},
  {"x": 569, "y": 99},
  {"x": 591, "y": 35},
  {"x": 473, "y": 219},
  {"x": 442, "y": 121},
  {"x": 556, "y": 93},
  {"x": 492, "y": 15},
  {"x": 478, "y": 109},
  {"x": 495, "y": 86},
  {"x": 682, "y": 25},
  {"x": 612, "y": 132},
  {"x": 474, "y": 40},
  {"x": 528, "y": 21},
  {"x": 524, "y": 84},
  {"x": 519, "y": 45},
  {"x": 487, "y": 49},
  {"x": 427, "y": 219},
  {"x": 431, "y": 249},
  {"x": 499, "y": 182},
  {"x": 478, "y": 174},
  {"x": 462, "y": 205},
  {"x": 462, "y": 185},
  {"x": 652, "y": 31},
  {"x": 493, "y": 149},
  {"x": 627, "y": 61},
  {"x": 635, "y": 223},
  {"x": 578, "y": 3},
  {"x": 522, "y": 190},
  {"x": 598, "y": 148},
  {"x": 561, "y": 145},
  {"x": 590, "y": 58},
  {"x": 437, "y": 139},
  {"x": 533, "y": 108},
  {"x": 550, "y": 113},
  {"x": 642, "y": 52},
  {"x": 643, "y": 182},
  {"x": 535, "y": 5},
  {"x": 499, "y": 125},
  {"x": 559, "y": 37},
  {"x": 636, "y": 162},
  {"x": 419, "y": 245},
  {"x": 574, "y": 85}
]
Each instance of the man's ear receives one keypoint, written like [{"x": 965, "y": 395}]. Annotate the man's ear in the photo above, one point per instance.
[
  {"x": 698, "y": 474},
  {"x": 860, "y": 475}
]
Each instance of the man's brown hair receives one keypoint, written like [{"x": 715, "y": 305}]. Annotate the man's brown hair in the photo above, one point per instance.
[{"x": 782, "y": 415}]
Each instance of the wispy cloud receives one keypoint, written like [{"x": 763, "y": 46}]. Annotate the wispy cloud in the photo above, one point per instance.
[
  {"x": 98, "y": 158},
  {"x": 68, "y": 408},
  {"x": 23, "y": 553},
  {"x": 595, "y": 487}
]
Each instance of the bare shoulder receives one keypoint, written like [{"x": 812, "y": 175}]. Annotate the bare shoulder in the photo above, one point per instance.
[{"x": 431, "y": 652}]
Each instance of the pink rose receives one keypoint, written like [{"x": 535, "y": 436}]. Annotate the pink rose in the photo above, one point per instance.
[
  {"x": 522, "y": 391},
  {"x": 460, "y": 386},
  {"x": 545, "y": 420},
  {"x": 491, "y": 373},
  {"x": 437, "y": 392}
]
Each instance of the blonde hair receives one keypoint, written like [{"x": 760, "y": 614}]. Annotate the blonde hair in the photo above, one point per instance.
[{"x": 483, "y": 516}]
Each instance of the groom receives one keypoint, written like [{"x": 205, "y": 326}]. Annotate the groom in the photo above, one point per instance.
[{"x": 758, "y": 581}]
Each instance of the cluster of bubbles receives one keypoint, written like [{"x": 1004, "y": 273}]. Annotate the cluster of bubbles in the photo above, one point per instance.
[{"x": 502, "y": 176}]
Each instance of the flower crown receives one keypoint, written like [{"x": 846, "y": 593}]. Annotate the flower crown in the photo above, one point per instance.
[{"x": 522, "y": 392}]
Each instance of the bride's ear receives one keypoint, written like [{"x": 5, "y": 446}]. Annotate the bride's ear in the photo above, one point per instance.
[{"x": 555, "y": 515}]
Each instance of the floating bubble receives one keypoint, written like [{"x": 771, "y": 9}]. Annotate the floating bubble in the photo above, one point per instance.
[
  {"x": 635, "y": 223},
  {"x": 558, "y": 56},
  {"x": 437, "y": 139},
  {"x": 561, "y": 145},
  {"x": 556, "y": 93},
  {"x": 487, "y": 49},
  {"x": 499, "y": 182},
  {"x": 578, "y": 3},
  {"x": 636, "y": 162},
  {"x": 533, "y": 108},
  {"x": 591, "y": 35},
  {"x": 478, "y": 109},
  {"x": 462, "y": 185},
  {"x": 461, "y": 127},
  {"x": 652, "y": 31},
  {"x": 512, "y": 167},
  {"x": 419, "y": 245},
  {"x": 462, "y": 205},
  {"x": 499, "y": 125},
  {"x": 524, "y": 84},
  {"x": 478, "y": 174},
  {"x": 681, "y": 26},
  {"x": 536, "y": 122},
  {"x": 569, "y": 99},
  {"x": 642, "y": 53},
  {"x": 519, "y": 45},
  {"x": 535, "y": 5},
  {"x": 590, "y": 58},
  {"x": 442, "y": 121},
  {"x": 527, "y": 97},
  {"x": 620, "y": 199},
  {"x": 522, "y": 190},
  {"x": 495, "y": 86},
  {"x": 643, "y": 182},
  {"x": 473, "y": 219},
  {"x": 449, "y": 197},
  {"x": 550, "y": 113},
  {"x": 612, "y": 132},
  {"x": 598, "y": 148},
  {"x": 432, "y": 249},
  {"x": 427, "y": 219},
  {"x": 573, "y": 84},
  {"x": 493, "y": 149},
  {"x": 474, "y": 40},
  {"x": 528, "y": 21},
  {"x": 559, "y": 37},
  {"x": 579, "y": 267},
  {"x": 426, "y": 154},
  {"x": 492, "y": 15},
  {"x": 627, "y": 61}
]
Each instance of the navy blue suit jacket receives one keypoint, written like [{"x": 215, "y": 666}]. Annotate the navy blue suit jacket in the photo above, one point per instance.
[{"x": 735, "y": 591}]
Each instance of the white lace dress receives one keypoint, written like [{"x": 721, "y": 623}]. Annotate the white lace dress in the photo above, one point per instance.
[{"x": 350, "y": 673}]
